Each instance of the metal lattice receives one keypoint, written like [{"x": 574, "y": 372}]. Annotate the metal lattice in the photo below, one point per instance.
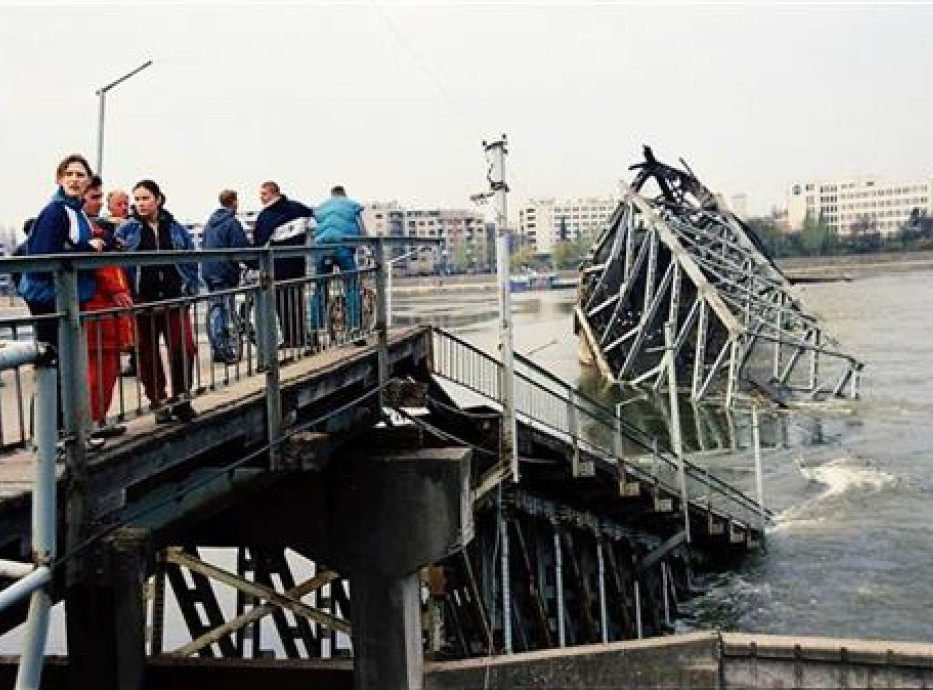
[{"x": 674, "y": 254}]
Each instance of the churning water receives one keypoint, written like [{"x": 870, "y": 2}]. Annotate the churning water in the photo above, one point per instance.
[{"x": 851, "y": 484}]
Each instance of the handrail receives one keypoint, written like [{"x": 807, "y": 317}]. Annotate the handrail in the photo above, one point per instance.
[
  {"x": 609, "y": 415},
  {"x": 594, "y": 411},
  {"x": 309, "y": 305},
  {"x": 88, "y": 260}
]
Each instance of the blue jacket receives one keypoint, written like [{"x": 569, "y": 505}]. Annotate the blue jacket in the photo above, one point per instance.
[
  {"x": 222, "y": 231},
  {"x": 129, "y": 235},
  {"x": 271, "y": 228},
  {"x": 337, "y": 219},
  {"x": 60, "y": 228}
]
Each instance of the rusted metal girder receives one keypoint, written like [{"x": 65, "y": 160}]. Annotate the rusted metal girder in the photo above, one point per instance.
[{"x": 673, "y": 253}]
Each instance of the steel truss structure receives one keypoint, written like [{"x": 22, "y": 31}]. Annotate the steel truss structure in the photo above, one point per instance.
[{"x": 673, "y": 253}]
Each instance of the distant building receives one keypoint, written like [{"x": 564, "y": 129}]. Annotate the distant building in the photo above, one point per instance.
[
  {"x": 885, "y": 206},
  {"x": 466, "y": 241},
  {"x": 545, "y": 222},
  {"x": 739, "y": 206}
]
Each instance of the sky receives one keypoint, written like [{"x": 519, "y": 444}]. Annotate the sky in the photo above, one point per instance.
[{"x": 393, "y": 100}]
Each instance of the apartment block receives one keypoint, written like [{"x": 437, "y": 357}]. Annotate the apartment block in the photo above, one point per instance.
[
  {"x": 544, "y": 222},
  {"x": 885, "y": 205},
  {"x": 466, "y": 242}
]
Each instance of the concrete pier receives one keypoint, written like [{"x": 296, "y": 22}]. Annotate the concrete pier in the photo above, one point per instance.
[
  {"x": 106, "y": 617},
  {"x": 394, "y": 514}
]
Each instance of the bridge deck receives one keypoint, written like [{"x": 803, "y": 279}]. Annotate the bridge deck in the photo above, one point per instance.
[{"x": 232, "y": 413}]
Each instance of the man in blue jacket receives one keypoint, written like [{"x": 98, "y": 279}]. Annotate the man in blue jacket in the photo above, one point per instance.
[
  {"x": 338, "y": 219},
  {"x": 223, "y": 231},
  {"x": 285, "y": 223}
]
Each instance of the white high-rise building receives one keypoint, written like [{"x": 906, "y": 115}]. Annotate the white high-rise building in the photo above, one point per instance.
[
  {"x": 886, "y": 205},
  {"x": 544, "y": 222}
]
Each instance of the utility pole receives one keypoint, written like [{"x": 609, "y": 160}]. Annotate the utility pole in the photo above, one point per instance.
[
  {"x": 498, "y": 190},
  {"x": 102, "y": 96}
]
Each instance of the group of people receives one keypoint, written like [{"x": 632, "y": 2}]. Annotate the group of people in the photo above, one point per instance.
[{"x": 72, "y": 222}]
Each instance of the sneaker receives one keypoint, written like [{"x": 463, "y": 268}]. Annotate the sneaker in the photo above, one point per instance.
[
  {"x": 109, "y": 431},
  {"x": 163, "y": 415},
  {"x": 183, "y": 412}
]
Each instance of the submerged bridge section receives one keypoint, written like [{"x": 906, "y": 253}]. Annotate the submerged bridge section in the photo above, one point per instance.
[
  {"x": 673, "y": 254},
  {"x": 341, "y": 497}
]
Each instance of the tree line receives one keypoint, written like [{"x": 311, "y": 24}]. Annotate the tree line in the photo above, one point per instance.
[{"x": 817, "y": 238}]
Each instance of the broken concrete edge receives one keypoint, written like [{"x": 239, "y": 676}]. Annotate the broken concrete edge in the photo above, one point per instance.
[{"x": 567, "y": 653}]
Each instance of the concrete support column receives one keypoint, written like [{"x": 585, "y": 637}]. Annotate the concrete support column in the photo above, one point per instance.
[
  {"x": 106, "y": 617},
  {"x": 386, "y": 630},
  {"x": 393, "y": 514}
]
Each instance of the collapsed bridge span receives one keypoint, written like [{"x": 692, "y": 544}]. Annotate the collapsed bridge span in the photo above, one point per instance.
[{"x": 673, "y": 253}]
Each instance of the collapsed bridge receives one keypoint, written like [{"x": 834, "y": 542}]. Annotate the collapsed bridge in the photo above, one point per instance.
[{"x": 673, "y": 254}]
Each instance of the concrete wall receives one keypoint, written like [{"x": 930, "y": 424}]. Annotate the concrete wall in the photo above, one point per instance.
[
  {"x": 687, "y": 661},
  {"x": 772, "y": 661},
  {"x": 701, "y": 660}
]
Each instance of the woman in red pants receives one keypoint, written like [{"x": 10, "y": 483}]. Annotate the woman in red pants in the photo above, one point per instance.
[{"x": 152, "y": 228}]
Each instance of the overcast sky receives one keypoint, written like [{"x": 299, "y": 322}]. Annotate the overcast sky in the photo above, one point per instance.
[{"x": 392, "y": 100}]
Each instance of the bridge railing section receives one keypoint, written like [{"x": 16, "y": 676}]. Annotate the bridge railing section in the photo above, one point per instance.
[
  {"x": 290, "y": 318},
  {"x": 545, "y": 402},
  {"x": 32, "y": 579}
]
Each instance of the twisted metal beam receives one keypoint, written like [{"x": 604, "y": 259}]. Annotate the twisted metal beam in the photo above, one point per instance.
[{"x": 673, "y": 253}]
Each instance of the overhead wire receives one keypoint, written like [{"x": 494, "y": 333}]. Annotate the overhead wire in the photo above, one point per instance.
[{"x": 457, "y": 109}]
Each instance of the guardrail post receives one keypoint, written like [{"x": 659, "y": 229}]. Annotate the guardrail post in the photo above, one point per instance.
[
  {"x": 617, "y": 435},
  {"x": 382, "y": 316},
  {"x": 559, "y": 586},
  {"x": 601, "y": 568},
  {"x": 676, "y": 442},
  {"x": 664, "y": 585},
  {"x": 638, "y": 627},
  {"x": 72, "y": 358},
  {"x": 268, "y": 337},
  {"x": 29, "y": 673},
  {"x": 573, "y": 427},
  {"x": 759, "y": 480},
  {"x": 388, "y": 289},
  {"x": 506, "y": 578}
]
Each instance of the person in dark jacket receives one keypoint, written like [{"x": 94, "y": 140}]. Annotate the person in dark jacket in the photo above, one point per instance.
[
  {"x": 285, "y": 223},
  {"x": 22, "y": 249},
  {"x": 222, "y": 231},
  {"x": 61, "y": 227},
  {"x": 338, "y": 219},
  {"x": 152, "y": 228}
]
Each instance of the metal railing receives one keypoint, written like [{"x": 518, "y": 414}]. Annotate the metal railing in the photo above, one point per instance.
[
  {"x": 32, "y": 579},
  {"x": 271, "y": 322},
  {"x": 545, "y": 402}
]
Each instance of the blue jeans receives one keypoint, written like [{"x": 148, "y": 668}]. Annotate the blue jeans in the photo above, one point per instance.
[
  {"x": 219, "y": 333},
  {"x": 345, "y": 259}
]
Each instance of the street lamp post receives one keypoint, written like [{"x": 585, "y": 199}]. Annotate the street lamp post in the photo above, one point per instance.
[{"x": 102, "y": 95}]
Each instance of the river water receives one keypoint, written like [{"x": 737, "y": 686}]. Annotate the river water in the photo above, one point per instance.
[{"x": 851, "y": 484}]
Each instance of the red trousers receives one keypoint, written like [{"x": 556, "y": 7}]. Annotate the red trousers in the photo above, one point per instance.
[
  {"x": 173, "y": 324},
  {"x": 103, "y": 368}
]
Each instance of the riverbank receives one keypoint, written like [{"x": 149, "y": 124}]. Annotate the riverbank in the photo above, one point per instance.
[
  {"x": 856, "y": 265},
  {"x": 803, "y": 268}
]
